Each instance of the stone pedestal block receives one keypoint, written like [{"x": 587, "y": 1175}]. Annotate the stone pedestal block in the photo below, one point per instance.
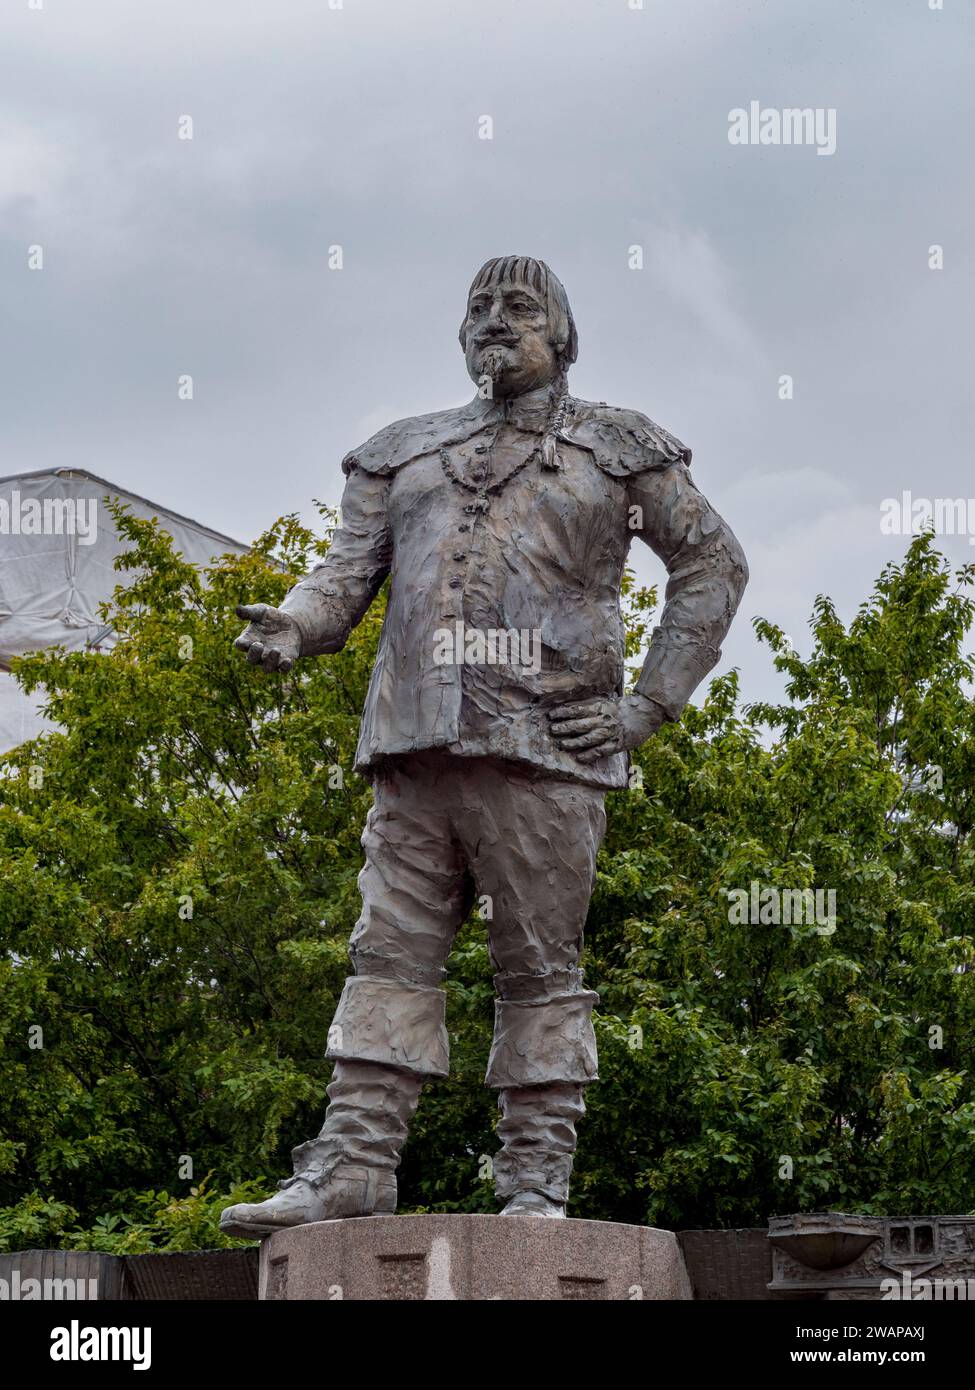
[{"x": 471, "y": 1257}]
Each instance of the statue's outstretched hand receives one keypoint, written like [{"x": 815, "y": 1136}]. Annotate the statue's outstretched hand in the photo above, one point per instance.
[
  {"x": 592, "y": 729},
  {"x": 271, "y": 639}
]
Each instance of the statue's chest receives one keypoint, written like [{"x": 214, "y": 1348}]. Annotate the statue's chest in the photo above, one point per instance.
[{"x": 498, "y": 479}]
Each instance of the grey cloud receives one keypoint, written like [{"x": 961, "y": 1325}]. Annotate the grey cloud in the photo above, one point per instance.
[{"x": 358, "y": 127}]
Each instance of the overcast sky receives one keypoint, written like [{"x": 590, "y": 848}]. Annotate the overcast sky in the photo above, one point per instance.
[{"x": 359, "y": 126}]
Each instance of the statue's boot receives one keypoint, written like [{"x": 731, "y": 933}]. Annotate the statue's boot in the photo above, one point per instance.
[
  {"x": 538, "y": 1130},
  {"x": 350, "y": 1169},
  {"x": 349, "y": 1191},
  {"x": 387, "y": 1037},
  {"x": 533, "y": 1204},
  {"x": 543, "y": 1055}
]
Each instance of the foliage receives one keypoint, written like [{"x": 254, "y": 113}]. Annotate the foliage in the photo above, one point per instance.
[{"x": 178, "y": 881}]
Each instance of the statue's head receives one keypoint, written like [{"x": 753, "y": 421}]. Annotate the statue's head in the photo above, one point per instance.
[{"x": 518, "y": 329}]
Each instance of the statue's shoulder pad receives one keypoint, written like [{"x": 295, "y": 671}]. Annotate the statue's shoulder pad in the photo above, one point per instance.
[
  {"x": 410, "y": 438},
  {"x": 622, "y": 442}
]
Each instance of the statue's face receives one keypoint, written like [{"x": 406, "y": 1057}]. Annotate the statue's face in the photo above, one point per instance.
[{"x": 507, "y": 335}]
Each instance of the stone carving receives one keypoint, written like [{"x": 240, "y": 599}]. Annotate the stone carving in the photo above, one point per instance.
[
  {"x": 833, "y": 1256},
  {"x": 494, "y": 725}
]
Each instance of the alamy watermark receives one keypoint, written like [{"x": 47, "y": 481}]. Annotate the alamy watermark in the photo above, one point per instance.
[
  {"x": 908, "y": 515},
  {"x": 461, "y": 645},
  {"x": 77, "y": 1343},
  {"x": 788, "y": 125},
  {"x": 913, "y": 1288},
  {"x": 50, "y": 516},
  {"x": 30, "y": 1290},
  {"x": 774, "y": 907}
]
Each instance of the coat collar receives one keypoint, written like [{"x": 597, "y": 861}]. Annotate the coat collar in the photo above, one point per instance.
[
  {"x": 621, "y": 441},
  {"x": 529, "y": 412},
  {"x": 422, "y": 434}
]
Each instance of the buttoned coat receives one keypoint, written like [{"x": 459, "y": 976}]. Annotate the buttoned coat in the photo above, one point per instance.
[{"x": 472, "y": 527}]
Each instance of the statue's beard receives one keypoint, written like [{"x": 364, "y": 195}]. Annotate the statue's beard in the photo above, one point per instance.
[{"x": 495, "y": 364}]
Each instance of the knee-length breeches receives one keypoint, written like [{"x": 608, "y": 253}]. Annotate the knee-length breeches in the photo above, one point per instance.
[{"x": 446, "y": 832}]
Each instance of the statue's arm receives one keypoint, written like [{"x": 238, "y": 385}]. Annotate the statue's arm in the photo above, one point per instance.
[
  {"x": 707, "y": 574},
  {"x": 330, "y": 601},
  {"x": 322, "y": 609}
]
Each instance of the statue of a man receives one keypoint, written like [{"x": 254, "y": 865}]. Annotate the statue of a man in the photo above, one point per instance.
[{"x": 508, "y": 518}]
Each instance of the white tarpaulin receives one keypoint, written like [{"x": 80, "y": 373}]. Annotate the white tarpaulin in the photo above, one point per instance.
[{"x": 58, "y": 545}]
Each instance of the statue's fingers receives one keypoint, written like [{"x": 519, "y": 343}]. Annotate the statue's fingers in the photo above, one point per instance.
[
  {"x": 574, "y": 711},
  {"x": 285, "y": 664},
  {"x": 592, "y": 755},
  {"x": 271, "y": 658},
  {"x": 243, "y": 642},
  {"x": 255, "y": 653},
  {"x": 567, "y": 727},
  {"x": 590, "y": 740},
  {"x": 251, "y": 612}
]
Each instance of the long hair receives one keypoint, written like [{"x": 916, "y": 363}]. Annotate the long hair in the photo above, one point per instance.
[{"x": 526, "y": 270}]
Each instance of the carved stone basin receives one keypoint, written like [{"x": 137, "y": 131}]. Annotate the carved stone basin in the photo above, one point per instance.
[{"x": 823, "y": 1239}]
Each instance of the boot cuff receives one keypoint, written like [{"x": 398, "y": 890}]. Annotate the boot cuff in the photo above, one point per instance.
[
  {"x": 535, "y": 1043},
  {"x": 389, "y": 1021}
]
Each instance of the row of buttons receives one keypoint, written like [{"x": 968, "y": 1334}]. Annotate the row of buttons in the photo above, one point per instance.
[{"x": 477, "y": 475}]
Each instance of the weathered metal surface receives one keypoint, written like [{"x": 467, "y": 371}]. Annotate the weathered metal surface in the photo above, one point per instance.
[{"x": 495, "y": 722}]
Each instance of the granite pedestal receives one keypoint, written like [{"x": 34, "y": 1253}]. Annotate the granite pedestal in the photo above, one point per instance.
[{"x": 393, "y": 1258}]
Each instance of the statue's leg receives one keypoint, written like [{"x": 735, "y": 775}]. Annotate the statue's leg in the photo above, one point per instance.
[
  {"x": 538, "y": 1131},
  {"x": 533, "y": 843},
  {"x": 542, "y": 1058},
  {"x": 388, "y": 1034}
]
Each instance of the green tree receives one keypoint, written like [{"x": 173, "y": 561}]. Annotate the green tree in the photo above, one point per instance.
[
  {"x": 786, "y": 1067},
  {"x": 178, "y": 882}
]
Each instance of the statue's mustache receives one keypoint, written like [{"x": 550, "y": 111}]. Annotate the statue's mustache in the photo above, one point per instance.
[{"x": 503, "y": 339}]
